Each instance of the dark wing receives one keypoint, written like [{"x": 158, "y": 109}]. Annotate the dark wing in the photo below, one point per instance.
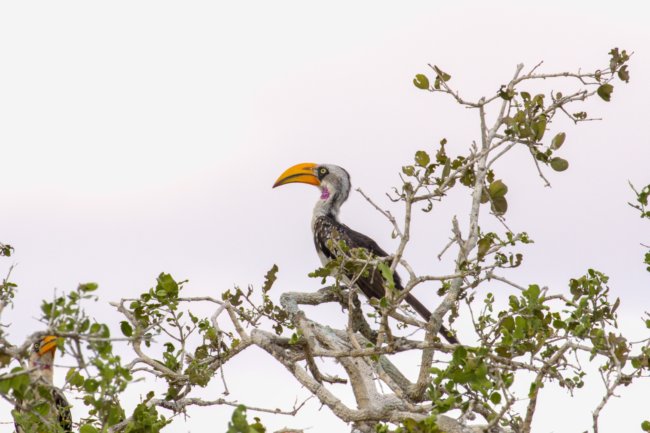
[
  {"x": 62, "y": 410},
  {"x": 327, "y": 229},
  {"x": 372, "y": 285}
]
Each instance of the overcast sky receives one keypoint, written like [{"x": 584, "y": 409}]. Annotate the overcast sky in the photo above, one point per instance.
[{"x": 144, "y": 136}]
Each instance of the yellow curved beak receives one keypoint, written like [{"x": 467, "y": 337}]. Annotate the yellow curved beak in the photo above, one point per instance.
[
  {"x": 301, "y": 173},
  {"x": 48, "y": 344}
]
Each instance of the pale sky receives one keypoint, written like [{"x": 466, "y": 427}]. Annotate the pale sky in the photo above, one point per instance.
[{"x": 144, "y": 136}]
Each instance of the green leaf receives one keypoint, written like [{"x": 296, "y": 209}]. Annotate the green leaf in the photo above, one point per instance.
[
  {"x": 558, "y": 140},
  {"x": 605, "y": 92},
  {"x": 387, "y": 274},
  {"x": 499, "y": 205},
  {"x": 508, "y": 323},
  {"x": 87, "y": 428},
  {"x": 421, "y": 82},
  {"x": 498, "y": 189},
  {"x": 166, "y": 287},
  {"x": 495, "y": 398},
  {"x": 506, "y": 93},
  {"x": 559, "y": 324},
  {"x": 539, "y": 128},
  {"x": 126, "y": 328},
  {"x": 446, "y": 170},
  {"x": 270, "y": 278},
  {"x": 559, "y": 164},
  {"x": 422, "y": 158},
  {"x": 618, "y": 58},
  {"x": 645, "y": 426},
  {"x": 460, "y": 355},
  {"x": 5, "y": 250},
  {"x": 520, "y": 327},
  {"x": 239, "y": 423},
  {"x": 295, "y": 337},
  {"x": 441, "y": 77},
  {"x": 484, "y": 245},
  {"x": 41, "y": 408},
  {"x": 532, "y": 292},
  {"x": 624, "y": 74},
  {"x": 74, "y": 378},
  {"x": 91, "y": 385},
  {"x": 442, "y": 74},
  {"x": 88, "y": 287}
]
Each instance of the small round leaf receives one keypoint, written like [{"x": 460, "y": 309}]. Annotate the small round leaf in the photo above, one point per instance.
[
  {"x": 495, "y": 398},
  {"x": 484, "y": 245},
  {"x": 422, "y": 158},
  {"x": 499, "y": 205},
  {"x": 605, "y": 92},
  {"x": 498, "y": 189},
  {"x": 539, "y": 128},
  {"x": 421, "y": 82},
  {"x": 559, "y": 164},
  {"x": 126, "y": 328},
  {"x": 624, "y": 74},
  {"x": 558, "y": 141}
]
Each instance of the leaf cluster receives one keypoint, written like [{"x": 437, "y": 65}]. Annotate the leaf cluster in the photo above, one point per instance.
[
  {"x": 251, "y": 311},
  {"x": 240, "y": 424}
]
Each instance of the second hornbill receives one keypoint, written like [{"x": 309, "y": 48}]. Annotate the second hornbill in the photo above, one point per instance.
[
  {"x": 334, "y": 184},
  {"x": 41, "y": 365}
]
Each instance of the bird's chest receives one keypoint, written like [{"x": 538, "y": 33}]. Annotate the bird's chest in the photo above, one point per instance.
[{"x": 324, "y": 234}]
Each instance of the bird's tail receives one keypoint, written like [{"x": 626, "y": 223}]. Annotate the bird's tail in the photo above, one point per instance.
[{"x": 426, "y": 315}]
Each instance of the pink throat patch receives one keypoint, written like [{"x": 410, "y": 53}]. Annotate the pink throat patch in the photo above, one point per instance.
[
  {"x": 325, "y": 193},
  {"x": 43, "y": 365}
]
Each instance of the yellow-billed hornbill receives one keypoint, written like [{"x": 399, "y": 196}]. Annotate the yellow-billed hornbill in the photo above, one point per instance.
[
  {"x": 42, "y": 390},
  {"x": 334, "y": 184}
]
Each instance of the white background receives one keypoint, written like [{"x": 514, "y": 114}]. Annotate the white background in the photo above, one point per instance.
[{"x": 140, "y": 137}]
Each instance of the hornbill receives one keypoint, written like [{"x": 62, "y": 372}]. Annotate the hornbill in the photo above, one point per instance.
[
  {"x": 42, "y": 389},
  {"x": 334, "y": 184}
]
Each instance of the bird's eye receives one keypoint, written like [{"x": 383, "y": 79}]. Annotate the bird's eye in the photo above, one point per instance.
[
  {"x": 37, "y": 346},
  {"x": 323, "y": 170}
]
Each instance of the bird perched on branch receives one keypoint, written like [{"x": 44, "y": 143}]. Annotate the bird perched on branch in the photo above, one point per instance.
[
  {"x": 29, "y": 415},
  {"x": 334, "y": 184}
]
